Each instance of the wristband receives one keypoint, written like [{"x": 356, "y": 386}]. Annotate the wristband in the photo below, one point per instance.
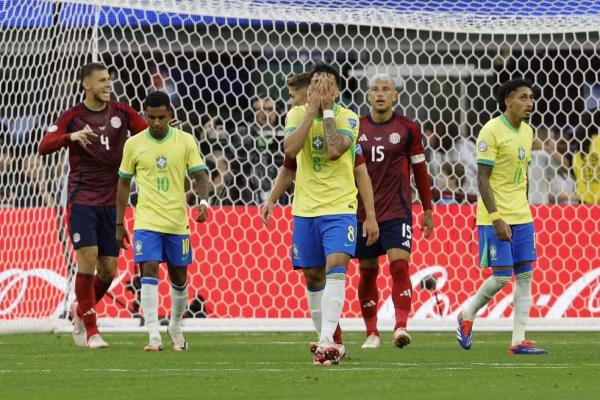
[
  {"x": 495, "y": 216},
  {"x": 204, "y": 203},
  {"x": 328, "y": 114}
]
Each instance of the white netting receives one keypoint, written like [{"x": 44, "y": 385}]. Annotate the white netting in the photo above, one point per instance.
[{"x": 224, "y": 64}]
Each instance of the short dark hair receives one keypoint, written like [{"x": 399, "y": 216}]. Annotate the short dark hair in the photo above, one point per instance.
[
  {"x": 507, "y": 88},
  {"x": 326, "y": 69},
  {"x": 89, "y": 68},
  {"x": 299, "y": 81},
  {"x": 157, "y": 99}
]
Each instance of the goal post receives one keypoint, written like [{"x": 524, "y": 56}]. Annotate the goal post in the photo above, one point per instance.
[{"x": 224, "y": 64}]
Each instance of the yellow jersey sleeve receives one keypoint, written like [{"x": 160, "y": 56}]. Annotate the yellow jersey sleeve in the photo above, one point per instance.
[
  {"x": 346, "y": 123},
  {"x": 127, "y": 168},
  {"x": 294, "y": 118},
  {"x": 194, "y": 161},
  {"x": 487, "y": 147}
]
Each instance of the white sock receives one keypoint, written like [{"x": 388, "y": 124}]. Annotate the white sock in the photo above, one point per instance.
[
  {"x": 179, "y": 300},
  {"x": 314, "y": 305},
  {"x": 522, "y": 305},
  {"x": 332, "y": 302},
  {"x": 489, "y": 288},
  {"x": 150, "y": 308}
]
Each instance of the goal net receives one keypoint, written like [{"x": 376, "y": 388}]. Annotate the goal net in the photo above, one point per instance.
[{"x": 224, "y": 64}]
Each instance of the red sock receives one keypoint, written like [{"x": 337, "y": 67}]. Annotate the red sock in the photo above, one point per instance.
[
  {"x": 84, "y": 291},
  {"x": 100, "y": 288},
  {"x": 337, "y": 335},
  {"x": 368, "y": 296},
  {"x": 401, "y": 292}
]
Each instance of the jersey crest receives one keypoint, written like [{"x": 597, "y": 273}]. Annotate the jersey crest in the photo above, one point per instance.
[{"x": 161, "y": 162}]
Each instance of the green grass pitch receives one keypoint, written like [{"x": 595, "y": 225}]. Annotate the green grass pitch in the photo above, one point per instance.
[{"x": 278, "y": 366}]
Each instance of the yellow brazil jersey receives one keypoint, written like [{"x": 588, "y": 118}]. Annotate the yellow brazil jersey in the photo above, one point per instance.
[
  {"x": 587, "y": 172},
  {"x": 508, "y": 151},
  {"x": 160, "y": 168},
  {"x": 324, "y": 187}
]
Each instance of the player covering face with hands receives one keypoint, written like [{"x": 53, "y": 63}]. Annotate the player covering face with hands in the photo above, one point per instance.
[
  {"x": 315, "y": 276},
  {"x": 321, "y": 136}
]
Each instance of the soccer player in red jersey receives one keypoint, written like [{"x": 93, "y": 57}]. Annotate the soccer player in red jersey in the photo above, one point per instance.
[
  {"x": 94, "y": 131},
  {"x": 392, "y": 147}
]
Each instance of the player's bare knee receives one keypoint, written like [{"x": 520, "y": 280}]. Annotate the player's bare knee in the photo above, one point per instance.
[
  {"x": 398, "y": 255},
  {"x": 315, "y": 277},
  {"x": 337, "y": 260},
  {"x": 107, "y": 268},
  {"x": 178, "y": 275},
  {"x": 87, "y": 259},
  {"x": 368, "y": 264},
  {"x": 150, "y": 269}
]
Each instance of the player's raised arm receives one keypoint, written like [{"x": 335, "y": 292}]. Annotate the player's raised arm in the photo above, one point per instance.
[
  {"x": 57, "y": 137},
  {"x": 298, "y": 124},
  {"x": 338, "y": 142}
]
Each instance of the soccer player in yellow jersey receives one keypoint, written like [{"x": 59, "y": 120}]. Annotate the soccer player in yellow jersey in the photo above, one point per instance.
[
  {"x": 315, "y": 276},
  {"x": 321, "y": 135},
  {"x": 505, "y": 225},
  {"x": 159, "y": 158}
]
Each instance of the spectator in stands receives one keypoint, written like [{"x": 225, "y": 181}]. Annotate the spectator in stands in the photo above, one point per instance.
[
  {"x": 229, "y": 186},
  {"x": 586, "y": 166},
  {"x": 260, "y": 149},
  {"x": 542, "y": 168},
  {"x": 36, "y": 187},
  {"x": 433, "y": 150},
  {"x": 448, "y": 184},
  {"x": 463, "y": 152},
  {"x": 7, "y": 194}
]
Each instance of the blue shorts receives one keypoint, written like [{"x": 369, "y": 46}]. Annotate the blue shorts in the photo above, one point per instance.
[
  {"x": 393, "y": 234},
  {"x": 93, "y": 226},
  {"x": 157, "y": 246},
  {"x": 314, "y": 238},
  {"x": 494, "y": 252}
]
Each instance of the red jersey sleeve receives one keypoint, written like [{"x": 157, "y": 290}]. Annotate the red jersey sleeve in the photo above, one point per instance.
[
  {"x": 56, "y": 136},
  {"x": 416, "y": 151},
  {"x": 136, "y": 122},
  {"x": 417, "y": 159},
  {"x": 290, "y": 163}
]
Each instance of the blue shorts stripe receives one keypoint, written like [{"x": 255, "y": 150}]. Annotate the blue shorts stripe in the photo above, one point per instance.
[
  {"x": 336, "y": 270},
  {"x": 149, "y": 281}
]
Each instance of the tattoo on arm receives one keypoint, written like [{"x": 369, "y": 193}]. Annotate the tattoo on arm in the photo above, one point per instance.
[{"x": 337, "y": 143}]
